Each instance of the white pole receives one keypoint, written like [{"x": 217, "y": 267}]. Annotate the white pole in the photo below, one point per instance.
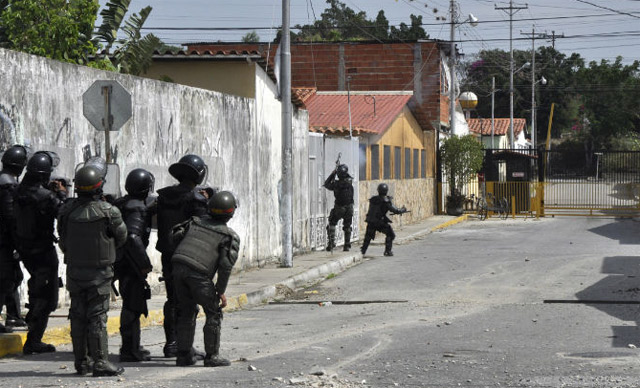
[
  {"x": 511, "y": 139},
  {"x": 493, "y": 101},
  {"x": 452, "y": 71},
  {"x": 287, "y": 175},
  {"x": 533, "y": 88}
]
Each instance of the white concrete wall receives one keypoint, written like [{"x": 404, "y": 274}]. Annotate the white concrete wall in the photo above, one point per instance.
[{"x": 239, "y": 138}]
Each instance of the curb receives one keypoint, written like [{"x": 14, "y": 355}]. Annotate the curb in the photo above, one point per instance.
[
  {"x": 456, "y": 220},
  {"x": 11, "y": 344}
]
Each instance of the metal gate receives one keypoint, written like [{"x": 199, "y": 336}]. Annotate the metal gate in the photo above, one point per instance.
[
  {"x": 323, "y": 152},
  {"x": 596, "y": 183}
]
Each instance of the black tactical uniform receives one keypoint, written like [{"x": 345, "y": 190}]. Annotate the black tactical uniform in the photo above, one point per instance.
[
  {"x": 377, "y": 220},
  {"x": 343, "y": 206},
  {"x": 13, "y": 161},
  {"x": 133, "y": 264},
  {"x": 35, "y": 209},
  {"x": 90, "y": 230},
  {"x": 177, "y": 204},
  {"x": 207, "y": 247}
]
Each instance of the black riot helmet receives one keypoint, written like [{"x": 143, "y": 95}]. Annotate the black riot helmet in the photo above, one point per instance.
[
  {"x": 189, "y": 167},
  {"x": 139, "y": 183},
  {"x": 342, "y": 171},
  {"x": 40, "y": 166},
  {"x": 88, "y": 180},
  {"x": 15, "y": 158},
  {"x": 383, "y": 189},
  {"x": 42, "y": 162},
  {"x": 222, "y": 205}
]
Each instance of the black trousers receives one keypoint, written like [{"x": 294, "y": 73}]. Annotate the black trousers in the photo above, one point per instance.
[
  {"x": 43, "y": 291},
  {"x": 169, "y": 309},
  {"x": 193, "y": 289}
]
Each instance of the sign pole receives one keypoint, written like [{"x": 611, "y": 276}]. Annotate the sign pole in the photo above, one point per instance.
[{"x": 106, "y": 92}]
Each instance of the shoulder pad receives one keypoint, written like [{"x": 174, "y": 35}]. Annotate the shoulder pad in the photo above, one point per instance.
[{"x": 92, "y": 211}]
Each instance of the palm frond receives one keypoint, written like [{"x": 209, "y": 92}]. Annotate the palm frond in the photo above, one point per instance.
[{"x": 112, "y": 16}]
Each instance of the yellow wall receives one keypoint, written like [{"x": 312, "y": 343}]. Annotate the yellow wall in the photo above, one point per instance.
[
  {"x": 237, "y": 77},
  {"x": 404, "y": 132},
  {"x": 418, "y": 195}
]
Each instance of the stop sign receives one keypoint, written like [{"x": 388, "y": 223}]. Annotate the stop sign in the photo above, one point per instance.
[{"x": 107, "y": 105}]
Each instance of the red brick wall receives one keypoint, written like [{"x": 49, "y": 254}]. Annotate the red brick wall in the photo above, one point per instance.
[{"x": 372, "y": 66}]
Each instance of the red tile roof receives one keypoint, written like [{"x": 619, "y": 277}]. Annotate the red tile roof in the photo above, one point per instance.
[
  {"x": 300, "y": 95},
  {"x": 483, "y": 126},
  {"x": 329, "y": 111}
]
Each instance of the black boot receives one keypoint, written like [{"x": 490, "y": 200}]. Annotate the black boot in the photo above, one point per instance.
[
  {"x": 83, "y": 364},
  {"x": 365, "y": 245},
  {"x": 388, "y": 244},
  {"x": 98, "y": 347},
  {"x": 187, "y": 358},
  {"x": 347, "y": 240},
  {"x": 5, "y": 329},
  {"x": 13, "y": 311},
  {"x": 331, "y": 238},
  {"x": 170, "y": 348},
  {"x": 213, "y": 359},
  {"x": 130, "y": 331}
]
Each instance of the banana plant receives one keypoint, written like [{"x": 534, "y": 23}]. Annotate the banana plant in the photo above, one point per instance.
[{"x": 132, "y": 52}]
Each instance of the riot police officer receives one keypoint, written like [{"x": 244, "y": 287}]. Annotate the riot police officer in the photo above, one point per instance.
[
  {"x": 132, "y": 263},
  {"x": 13, "y": 161},
  {"x": 207, "y": 247},
  {"x": 377, "y": 220},
  {"x": 177, "y": 204},
  {"x": 35, "y": 209},
  {"x": 90, "y": 230},
  {"x": 343, "y": 206}
]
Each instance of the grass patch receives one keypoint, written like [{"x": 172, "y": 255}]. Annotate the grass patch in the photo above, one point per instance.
[{"x": 331, "y": 276}]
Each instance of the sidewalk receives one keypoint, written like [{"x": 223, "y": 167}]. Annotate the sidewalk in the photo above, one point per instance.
[{"x": 246, "y": 288}]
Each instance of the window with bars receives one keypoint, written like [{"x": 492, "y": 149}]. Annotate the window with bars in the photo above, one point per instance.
[
  {"x": 375, "y": 162},
  {"x": 407, "y": 163},
  {"x": 386, "y": 162}
]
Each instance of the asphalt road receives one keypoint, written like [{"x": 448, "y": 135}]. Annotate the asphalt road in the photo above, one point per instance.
[{"x": 465, "y": 308}]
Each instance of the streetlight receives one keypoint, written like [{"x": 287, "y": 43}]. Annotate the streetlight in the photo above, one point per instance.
[
  {"x": 542, "y": 81},
  {"x": 473, "y": 21}
]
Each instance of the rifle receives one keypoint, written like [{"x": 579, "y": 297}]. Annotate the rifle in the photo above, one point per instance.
[{"x": 338, "y": 160}]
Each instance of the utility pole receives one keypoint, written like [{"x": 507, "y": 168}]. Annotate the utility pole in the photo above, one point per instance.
[
  {"x": 452, "y": 71},
  {"x": 493, "y": 102},
  {"x": 287, "y": 174},
  {"x": 511, "y": 10},
  {"x": 533, "y": 82},
  {"x": 553, "y": 38}
]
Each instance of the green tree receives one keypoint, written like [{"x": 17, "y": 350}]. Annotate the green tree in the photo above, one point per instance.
[
  {"x": 461, "y": 158},
  {"x": 338, "y": 22},
  {"x": 611, "y": 92},
  {"x": 411, "y": 32},
  {"x": 558, "y": 69},
  {"x": 251, "y": 37},
  {"x": 56, "y": 29},
  {"x": 133, "y": 52}
]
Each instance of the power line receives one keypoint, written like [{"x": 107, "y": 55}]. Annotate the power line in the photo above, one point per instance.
[
  {"x": 608, "y": 9},
  {"x": 377, "y": 26}
]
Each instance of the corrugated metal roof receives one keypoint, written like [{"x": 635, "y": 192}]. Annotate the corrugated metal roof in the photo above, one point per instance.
[
  {"x": 483, "y": 126},
  {"x": 370, "y": 112}
]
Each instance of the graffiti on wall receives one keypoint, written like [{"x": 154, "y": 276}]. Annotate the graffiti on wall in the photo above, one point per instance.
[{"x": 8, "y": 135}]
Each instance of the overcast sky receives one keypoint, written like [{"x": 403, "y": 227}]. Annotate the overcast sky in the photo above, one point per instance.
[{"x": 597, "y": 29}]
